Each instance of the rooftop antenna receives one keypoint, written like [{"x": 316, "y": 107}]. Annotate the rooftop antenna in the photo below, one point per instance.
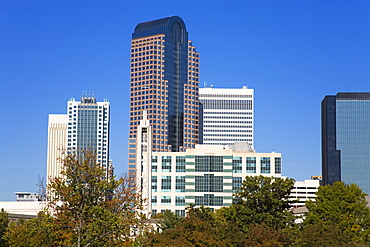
[{"x": 204, "y": 83}]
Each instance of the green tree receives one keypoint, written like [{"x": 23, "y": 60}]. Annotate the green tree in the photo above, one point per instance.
[
  {"x": 4, "y": 221},
  {"x": 167, "y": 220},
  {"x": 91, "y": 210},
  {"x": 341, "y": 207},
  {"x": 34, "y": 232},
  {"x": 261, "y": 200}
]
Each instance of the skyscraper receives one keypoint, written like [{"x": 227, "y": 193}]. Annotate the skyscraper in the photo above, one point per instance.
[
  {"x": 57, "y": 141},
  {"x": 84, "y": 127},
  {"x": 164, "y": 82},
  {"x": 226, "y": 116},
  {"x": 345, "y": 131}
]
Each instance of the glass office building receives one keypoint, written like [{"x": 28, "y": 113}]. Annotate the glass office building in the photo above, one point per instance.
[
  {"x": 164, "y": 82},
  {"x": 346, "y": 139}
]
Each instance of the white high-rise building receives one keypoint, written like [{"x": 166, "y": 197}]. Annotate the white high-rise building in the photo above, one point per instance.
[
  {"x": 84, "y": 127},
  {"x": 57, "y": 141},
  {"x": 226, "y": 116}
]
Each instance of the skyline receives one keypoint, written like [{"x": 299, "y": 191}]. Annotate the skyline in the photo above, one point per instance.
[{"x": 291, "y": 53}]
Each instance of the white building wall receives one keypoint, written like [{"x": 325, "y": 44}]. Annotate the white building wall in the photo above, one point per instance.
[
  {"x": 228, "y": 115},
  {"x": 57, "y": 142},
  {"x": 304, "y": 191},
  {"x": 228, "y": 175}
]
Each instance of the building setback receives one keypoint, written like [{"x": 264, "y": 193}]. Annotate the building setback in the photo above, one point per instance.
[
  {"x": 164, "y": 82},
  {"x": 85, "y": 127},
  {"x": 226, "y": 116},
  {"x": 345, "y": 132}
]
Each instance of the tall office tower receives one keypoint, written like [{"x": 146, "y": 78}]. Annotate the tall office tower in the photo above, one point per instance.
[
  {"x": 226, "y": 116},
  {"x": 57, "y": 141},
  {"x": 164, "y": 83},
  {"x": 84, "y": 127},
  {"x": 345, "y": 130}
]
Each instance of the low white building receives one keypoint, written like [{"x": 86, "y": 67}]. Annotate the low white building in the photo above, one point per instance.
[{"x": 304, "y": 191}]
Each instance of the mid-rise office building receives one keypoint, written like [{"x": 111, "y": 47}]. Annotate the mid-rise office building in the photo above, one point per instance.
[
  {"x": 226, "y": 116},
  {"x": 85, "y": 127},
  {"x": 164, "y": 82},
  {"x": 207, "y": 175},
  {"x": 346, "y": 139}
]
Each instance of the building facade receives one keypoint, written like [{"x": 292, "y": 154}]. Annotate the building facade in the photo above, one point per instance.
[
  {"x": 304, "y": 191},
  {"x": 57, "y": 142},
  {"x": 85, "y": 127},
  {"x": 226, "y": 116},
  {"x": 164, "y": 82},
  {"x": 206, "y": 175},
  {"x": 346, "y": 139}
]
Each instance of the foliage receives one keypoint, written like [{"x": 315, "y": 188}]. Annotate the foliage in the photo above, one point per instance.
[
  {"x": 342, "y": 207},
  {"x": 261, "y": 200},
  {"x": 35, "y": 232},
  {"x": 167, "y": 220},
  {"x": 190, "y": 231},
  {"x": 90, "y": 209},
  {"x": 4, "y": 221}
]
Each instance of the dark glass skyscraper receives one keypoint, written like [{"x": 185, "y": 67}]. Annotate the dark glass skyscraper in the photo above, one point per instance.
[
  {"x": 164, "y": 83},
  {"x": 346, "y": 139}
]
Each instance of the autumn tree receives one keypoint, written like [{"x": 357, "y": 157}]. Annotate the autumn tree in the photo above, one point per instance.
[
  {"x": 36, "y": 232},
  {"x": 89, "y": 209}
]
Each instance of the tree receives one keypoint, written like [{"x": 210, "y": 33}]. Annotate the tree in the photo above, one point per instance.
[
  {"x": 196, "y": 229},
  {"x": 36, "y": 232},
  {"x": 261, "y": 200},
  {"x": 89, "y": 209},
  {"x": 340, "y": 206},
  {"x": 4, "y": 221},
  {"x": 167, "y": 220}
]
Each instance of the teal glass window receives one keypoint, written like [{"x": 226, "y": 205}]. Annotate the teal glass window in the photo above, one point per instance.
[
  {"x": 166, "y": 184},
  {"x": 278, "y": 165},
  {"x": 237, "y": 164},
  {"x": 265, "y": 165},
  {"x": 251, "y": 165},
  {"x": 209, "y": 163},
  {"x": 180, "y": 164},
  {"x": 166, "y": 164}
]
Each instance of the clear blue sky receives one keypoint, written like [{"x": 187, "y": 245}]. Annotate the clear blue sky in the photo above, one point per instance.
[{"x": 292, "y": 53}]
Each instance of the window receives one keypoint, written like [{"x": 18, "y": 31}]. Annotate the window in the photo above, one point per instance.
[
  {"x": 277, "y": 165},
  {"x": 237, "y": 164},
  {"x": 208, "y": 183},
  {"x": 166, "y": 164},
  {"x": 251, "y": 165},
  {"x": 209, "y": 200},
  {"x": 265, "y": 165},
  {"x": 180, "y": 201},
  {"x": 154, "y": 200},
  {"x": 237, "y": 183},
  {"x": 209, "y": 163},
  {"x": 166, "y": 184},
  {"x": 154, "y": 163},
  {"x": 180, "y": 213},
  {"x": 166, "y": 200},
  {"x": 180, "y": 164},
  {"x": 154, "y": 183},
  {"x": 180, "y": 184}
]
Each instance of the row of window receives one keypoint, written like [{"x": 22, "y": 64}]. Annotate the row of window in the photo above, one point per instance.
[
  {"x": 206, "y": 200},
  {"x": 231, "y": 96}
]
